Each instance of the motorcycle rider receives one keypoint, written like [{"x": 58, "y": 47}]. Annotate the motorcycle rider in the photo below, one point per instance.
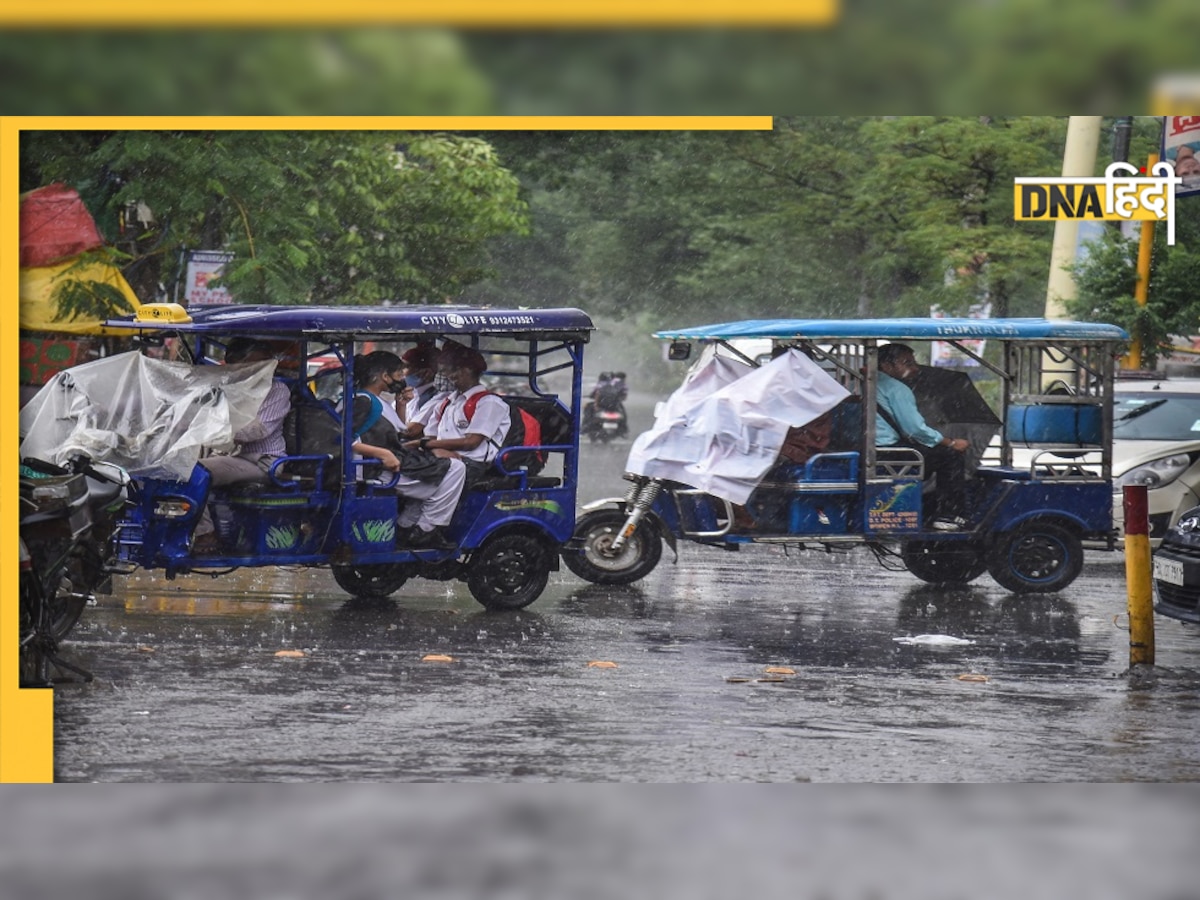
[{"x": 608, "y": 395}]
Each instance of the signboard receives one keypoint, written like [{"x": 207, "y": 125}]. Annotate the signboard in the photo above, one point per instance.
[
  {"x": 943, "y": 354},
  {"x": 1181, "y": 144},
  {"x": 204, "y": 266}
]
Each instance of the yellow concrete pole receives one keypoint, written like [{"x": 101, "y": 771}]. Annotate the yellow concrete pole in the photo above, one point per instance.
[
  {"x": 1139, "y": 586},
  {"x": 1141, "y": 290},
  {"x": 1079, "y": 161}
]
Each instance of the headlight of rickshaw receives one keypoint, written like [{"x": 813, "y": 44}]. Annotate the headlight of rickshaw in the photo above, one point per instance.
[
  {"x": 1156, "y": 474},
  {"x": 172, "y": 509}
]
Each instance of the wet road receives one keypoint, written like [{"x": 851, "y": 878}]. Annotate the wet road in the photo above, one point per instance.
[{"x": 190, "y": 685}]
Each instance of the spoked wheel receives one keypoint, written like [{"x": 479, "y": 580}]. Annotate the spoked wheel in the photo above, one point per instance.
[
  {"x": 375, "y": 580},
  {"x": 509, "y": 571},
  {"x": 945, "y": 562},
  {"x": 596, "y": 562},
  {"x": 1036, "y": 558}
]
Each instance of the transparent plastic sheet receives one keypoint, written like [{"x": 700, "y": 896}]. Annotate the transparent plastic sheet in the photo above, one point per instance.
[
  {"x": 723, "y": 428},
  {"x": 149, "y": 416}
]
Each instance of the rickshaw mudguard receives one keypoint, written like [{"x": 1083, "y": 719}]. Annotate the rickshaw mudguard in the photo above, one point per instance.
[{"x": 619, "y": 503}]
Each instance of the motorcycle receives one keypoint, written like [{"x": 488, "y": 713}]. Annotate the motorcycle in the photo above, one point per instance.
[
  {"x": 604, "y": 416},
  {"x": 68, "y": 545}
]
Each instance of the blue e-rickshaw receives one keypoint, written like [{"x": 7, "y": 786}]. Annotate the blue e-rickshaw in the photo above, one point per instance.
[
  {"x": 508, "y": 527},
  {"x": 1032, "y": 503}
]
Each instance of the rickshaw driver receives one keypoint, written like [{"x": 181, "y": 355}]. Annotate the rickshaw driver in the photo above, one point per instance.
[
  {"x": 898, "y": 423},
  {"x": 450, "y": 427}
]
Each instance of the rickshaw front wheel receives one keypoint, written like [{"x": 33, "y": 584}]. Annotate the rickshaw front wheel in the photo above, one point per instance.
[
  {"x": 945, "y": 562},
  {"x": 592, "y": 557},
  {"x": 509, "y": 571},
  {"x": 376, "y": 580},
  {"x": 1038, "y": 557}
]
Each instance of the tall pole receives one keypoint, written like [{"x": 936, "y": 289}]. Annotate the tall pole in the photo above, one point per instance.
[
  {"x": 1141, "y": 290},
  {"x": 1079, "y": 161}
]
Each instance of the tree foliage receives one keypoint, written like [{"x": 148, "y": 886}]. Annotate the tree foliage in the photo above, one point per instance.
[
  {"x": 1107, "y": 280},
  {"x": 322, "y": 217},
  {"x": 820, "y": 217}
]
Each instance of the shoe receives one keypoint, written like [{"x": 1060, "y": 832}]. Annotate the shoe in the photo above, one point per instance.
[
  {"x": 419, "y": 539},
  {"x": 949, "y": 523},
  {"x": 206, "y": 544}
]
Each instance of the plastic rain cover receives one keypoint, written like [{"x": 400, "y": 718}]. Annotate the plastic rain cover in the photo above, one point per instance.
[
  {"x": 724, "y": 427},
  {"x": 148, "y": 416}
]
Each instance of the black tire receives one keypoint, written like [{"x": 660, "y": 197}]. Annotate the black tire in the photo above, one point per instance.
[
  {"x": 945, "y": 562},
  {"x": 1036, "y": 558},
  {"x": 596, "y": 531},
  {"x": 376, "y": 580},
  {"x": 509, "y": 571}
]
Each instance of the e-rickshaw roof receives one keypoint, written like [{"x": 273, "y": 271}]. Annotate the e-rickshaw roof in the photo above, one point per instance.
[
  {"x": 375, "y": 321},
  {"x": 901, "y": 329}
]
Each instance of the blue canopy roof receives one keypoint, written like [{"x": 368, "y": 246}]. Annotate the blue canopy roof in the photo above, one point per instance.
[
  {"x": 900, "y": 329},
  {"x": 375, "y": 321}
]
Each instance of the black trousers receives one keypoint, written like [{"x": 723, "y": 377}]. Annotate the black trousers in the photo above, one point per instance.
[{"x": 950, "y": 467}]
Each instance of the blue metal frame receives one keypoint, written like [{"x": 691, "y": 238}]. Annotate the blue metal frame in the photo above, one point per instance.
[
  {"x": 554, "y": 340},
  {"x": 1005, "y": 498},
  {"x": 901, "y": 329}
]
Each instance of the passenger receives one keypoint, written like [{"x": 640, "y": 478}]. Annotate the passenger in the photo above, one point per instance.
[
  {"x": 431, "y": 487},
  {"x": 899, "y": 423},
  {"x": 379, "y": 374},
  {"x": 420, "y": 374},
  {"x": 459, "y": 426},
  {"x": 259, "y": 444}
]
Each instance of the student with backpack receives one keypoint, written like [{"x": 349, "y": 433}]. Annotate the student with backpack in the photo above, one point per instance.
[
  {"x": 431, "y": 486},
  {"x": 470, "y": 424}
]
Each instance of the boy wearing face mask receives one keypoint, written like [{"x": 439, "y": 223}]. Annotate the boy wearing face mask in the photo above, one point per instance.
[{"x": 421, "y": 387}]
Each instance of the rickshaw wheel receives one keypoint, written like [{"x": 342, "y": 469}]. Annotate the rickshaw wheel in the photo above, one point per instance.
[
  {"x": 377, "y": 580},
  {"x": 509, "y": 571},
  {"x": 945, "y": 562},
  {"x": 1039, "y": 557},
  {"x": 597, "y": 564}
]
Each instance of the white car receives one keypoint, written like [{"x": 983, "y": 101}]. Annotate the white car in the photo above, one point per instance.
[{"x": 1156, "y": 442}]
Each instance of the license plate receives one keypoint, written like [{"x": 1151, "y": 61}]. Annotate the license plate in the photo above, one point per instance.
[{"x": 1168, "y": 570}]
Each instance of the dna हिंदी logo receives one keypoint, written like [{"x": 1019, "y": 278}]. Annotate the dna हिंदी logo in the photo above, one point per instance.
[{"x": 1124, "y": 193}]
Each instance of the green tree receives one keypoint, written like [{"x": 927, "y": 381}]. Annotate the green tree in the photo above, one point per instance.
[
  {"x": 822, "y": 216},
  {"x": 1107, "y": 279},
  {"x": 322, "y": 217}
]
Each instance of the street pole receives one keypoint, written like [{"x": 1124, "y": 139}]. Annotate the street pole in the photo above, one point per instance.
[
  {"x": 1139, "y": 587},
  {"x": 1079, "y": 161},
  {"x": 1141, "y": 290}
]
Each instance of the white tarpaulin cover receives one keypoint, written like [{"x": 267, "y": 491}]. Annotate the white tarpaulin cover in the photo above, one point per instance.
[
  {"x": 148, "y": 416},
  {"x": 724, "y": 427}
]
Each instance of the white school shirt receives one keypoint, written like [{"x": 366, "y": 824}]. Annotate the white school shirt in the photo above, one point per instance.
[{"x": 491, "y": 419}]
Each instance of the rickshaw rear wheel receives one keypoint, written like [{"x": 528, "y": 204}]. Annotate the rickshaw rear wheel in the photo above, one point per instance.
[
  {"x": 945, "y": 562},
  {"x": 1039, "y": 557},
  {"x": 509, "y": 571},
  {"x": 376, "y": 580},
  {"x": 596, "y": 562}
]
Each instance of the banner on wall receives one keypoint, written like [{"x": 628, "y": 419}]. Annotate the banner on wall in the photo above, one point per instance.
[{"x": 947, "y": 355}]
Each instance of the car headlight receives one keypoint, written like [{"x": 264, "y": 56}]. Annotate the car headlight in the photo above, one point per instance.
[{"x": 1156, "y": 474}]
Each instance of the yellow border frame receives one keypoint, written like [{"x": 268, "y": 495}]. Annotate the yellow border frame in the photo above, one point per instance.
[
  {"x": 476, "y": 13},
  {"x": 27, "y": 716}
]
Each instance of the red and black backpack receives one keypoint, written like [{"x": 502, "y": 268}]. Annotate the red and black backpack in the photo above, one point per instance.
[{"x": 524, "y": 430}]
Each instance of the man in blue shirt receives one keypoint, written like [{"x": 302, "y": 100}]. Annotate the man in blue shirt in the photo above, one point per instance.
[{"x": 944, "y": 457}]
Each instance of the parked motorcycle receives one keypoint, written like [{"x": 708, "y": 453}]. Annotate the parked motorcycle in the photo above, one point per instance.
[{"x": 68, "y": 545}]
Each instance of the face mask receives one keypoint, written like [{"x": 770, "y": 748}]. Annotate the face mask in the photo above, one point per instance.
[
  {"x": 442, "y": 383},
  {"x": 412, "y": 380}
]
